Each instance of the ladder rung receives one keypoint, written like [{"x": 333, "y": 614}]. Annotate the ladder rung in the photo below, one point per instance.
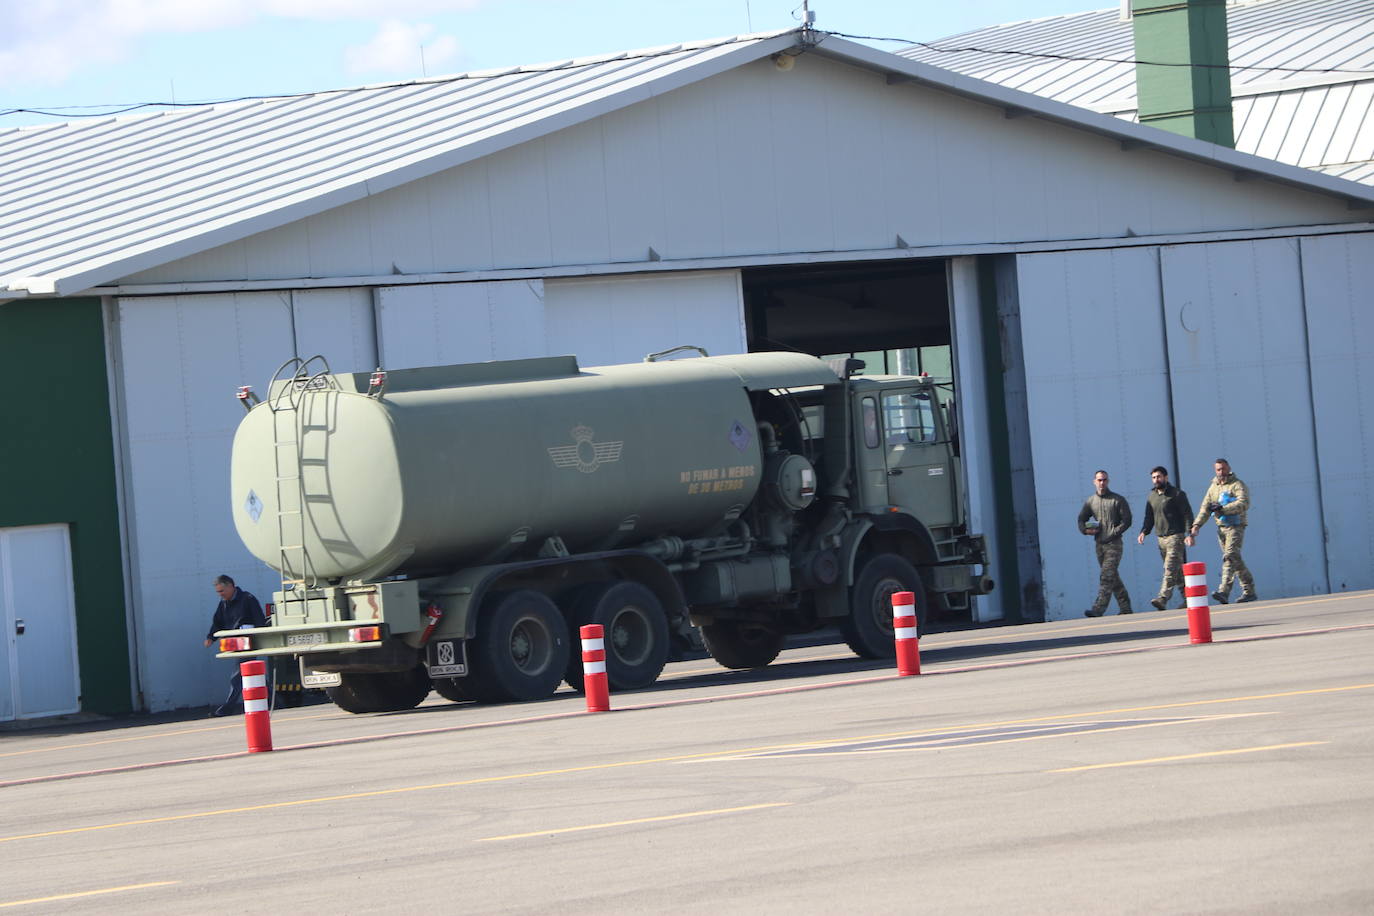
[
  {"x": 317, "y": 498},
  {"x": 286, "y": 547},
  {"x": 315, "y": 462}
]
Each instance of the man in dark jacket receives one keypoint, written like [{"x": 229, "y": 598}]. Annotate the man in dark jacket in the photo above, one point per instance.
[
  {"x": 1168, "y": 513},
  {"x": 236, "y": 609},
  {"x": 1106, "y": 516}
]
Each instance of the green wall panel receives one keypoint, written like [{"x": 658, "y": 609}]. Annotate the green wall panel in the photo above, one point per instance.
[{"x": 57, "y": 466}]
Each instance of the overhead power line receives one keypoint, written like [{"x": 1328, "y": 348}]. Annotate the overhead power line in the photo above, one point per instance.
[
  {"x": 1089, "y": 59},
  {"x": 111, "y": 109},
  {"x": 118, "y": 108}
]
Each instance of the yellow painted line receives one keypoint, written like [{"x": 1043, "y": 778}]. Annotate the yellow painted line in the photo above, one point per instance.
[
  {"x": 629, "y": 823},
  {"x": 1239, "y": 750},
  {"x": 73, "y": 896},
  {"x": 592, "y": 767}
]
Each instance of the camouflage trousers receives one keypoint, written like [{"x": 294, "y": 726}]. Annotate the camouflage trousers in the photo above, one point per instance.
[
  {"x": 1229, "y": 539},
  {"x": 1109, "y": 583},
  {"x": 1174, "y": 554}
]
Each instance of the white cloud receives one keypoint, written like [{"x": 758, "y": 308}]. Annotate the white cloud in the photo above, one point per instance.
[
  {"x": 396, "y": 50},
  {"x": 45, "y": 41}
]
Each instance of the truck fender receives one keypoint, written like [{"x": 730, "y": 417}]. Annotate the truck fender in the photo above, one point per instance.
[
  {"x": 924, "y": 553},
  {"x": 461, "y": 593},
  {"x": 833, "y": 601}
]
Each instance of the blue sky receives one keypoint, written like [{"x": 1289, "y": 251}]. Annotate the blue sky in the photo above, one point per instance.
[{"x": 57, "y": 53}]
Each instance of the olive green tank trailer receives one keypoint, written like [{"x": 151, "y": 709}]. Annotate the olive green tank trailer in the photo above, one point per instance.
[{"x": 451, "y": 527}]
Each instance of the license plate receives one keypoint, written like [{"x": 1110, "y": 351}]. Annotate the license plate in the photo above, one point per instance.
[
  {"x": 305, "y": 639},
  {"x": 447, "y": 658}
]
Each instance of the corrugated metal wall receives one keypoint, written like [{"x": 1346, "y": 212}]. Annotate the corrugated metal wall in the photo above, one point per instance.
[
  {"x": 823, "y": 157},
  {"x": 1176, "y": 356}
]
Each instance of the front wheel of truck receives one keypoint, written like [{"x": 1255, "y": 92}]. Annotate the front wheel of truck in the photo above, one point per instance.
[
  {"x": 868, "y": 628},
  {"x": 387, "y": 692},
  {"x": 520, "y": 651}
]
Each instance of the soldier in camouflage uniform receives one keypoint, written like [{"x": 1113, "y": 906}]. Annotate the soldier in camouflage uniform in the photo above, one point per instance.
[
  {"x": 1229, "y": 500},
  {"x": 1106, "y": 516},
  {"x": 1166, "y": 511}
]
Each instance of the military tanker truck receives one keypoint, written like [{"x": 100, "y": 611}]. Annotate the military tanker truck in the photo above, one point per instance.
[{"x": 451, "y": 527}]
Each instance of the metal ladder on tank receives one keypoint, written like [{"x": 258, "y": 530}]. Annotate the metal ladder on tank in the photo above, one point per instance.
[{"x": 290, "y": 404}]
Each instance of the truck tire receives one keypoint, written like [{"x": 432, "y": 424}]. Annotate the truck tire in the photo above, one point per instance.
[
  {"x": 734, "y": 644},
  {"x": 636, "y": 634},
  {"x": 868, "y": 628},
  {"x": 386, "y": 692},
  {"x": 451, "y": 689},
  {"x": 520, "y": 651}
]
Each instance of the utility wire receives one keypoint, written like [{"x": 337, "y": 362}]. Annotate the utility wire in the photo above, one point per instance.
[
  {"x": 117, "y": 108},
  {"x": 111, "y": 109},
  {"x": 1107, "y": 60}
]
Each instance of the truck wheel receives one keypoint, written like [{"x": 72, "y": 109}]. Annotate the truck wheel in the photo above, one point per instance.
[
  {"x": 734, "y": 644},
  {"x": 385, "y": 692},
  {"x": 636, "y": 634},
  {"x": 868, "y": 628},
  {"x": 451, "y": 689},
  {"x": 520, "y": 651}
]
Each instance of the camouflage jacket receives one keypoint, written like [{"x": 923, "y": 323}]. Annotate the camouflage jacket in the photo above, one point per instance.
[
  {"x": 1233, "y": 497},
  {"x": 1113, "y": 515}
]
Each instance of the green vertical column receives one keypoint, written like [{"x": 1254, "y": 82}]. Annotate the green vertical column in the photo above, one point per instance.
[
  {"x": 57, "y": 467},
  {"x": 1008, "y": 574},
  {"x": 1186, "y": 86}
]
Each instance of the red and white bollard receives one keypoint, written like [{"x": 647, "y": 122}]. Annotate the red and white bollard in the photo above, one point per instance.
[
  {"x": 905, "y": 635},
  {"x": 594, "y": 683},
  {"x": 257, "y": 720},
  {"x": 1199, "y": 614}
]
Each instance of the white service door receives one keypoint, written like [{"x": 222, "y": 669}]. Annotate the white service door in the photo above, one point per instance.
[{"x": 38, "y": 612}]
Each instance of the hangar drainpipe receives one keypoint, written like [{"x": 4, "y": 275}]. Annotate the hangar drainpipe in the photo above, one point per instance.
[{"x": 1187, "y": 87}]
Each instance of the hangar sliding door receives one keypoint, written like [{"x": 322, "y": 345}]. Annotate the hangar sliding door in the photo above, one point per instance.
[
  {"x": 600, "y": 320},
  {"x": 1239, "y": 367},
  {"x": 181, "y": 359},
  {"x": 439, "y": 324},
  {"x": 1183, "y": 354},
  {"x": 608, "y": 320},
  {"x": 1097, "y": 395},
  {"x": 1337, "y": 275}
]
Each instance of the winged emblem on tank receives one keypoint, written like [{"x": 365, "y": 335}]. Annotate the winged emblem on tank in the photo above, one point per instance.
[{"x": 585, "y": 454}]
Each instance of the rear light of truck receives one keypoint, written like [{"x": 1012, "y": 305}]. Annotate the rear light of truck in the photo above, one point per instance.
[
  {"x": 235, "y": 644},
  {"x": 365, "y": 634}
]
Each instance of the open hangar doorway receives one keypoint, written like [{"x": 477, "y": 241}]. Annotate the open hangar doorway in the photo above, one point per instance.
[{"x": 896, "y": 317}]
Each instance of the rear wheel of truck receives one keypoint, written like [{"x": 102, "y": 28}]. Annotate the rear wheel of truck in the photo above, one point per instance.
[
  {"x": 451, "y": 689},
  {"x": 868, "y": 628},
  {"x": 736, "y": 644},
  {"x": 520, "y": 651},
  {"x": 636, "y": 634},
  {"x": 385, "y": 692}
]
